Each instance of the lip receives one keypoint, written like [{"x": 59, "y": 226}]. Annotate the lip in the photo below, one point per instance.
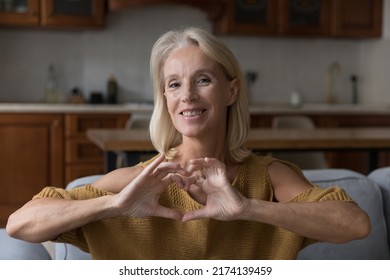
[{"x": 196, "y": 112}]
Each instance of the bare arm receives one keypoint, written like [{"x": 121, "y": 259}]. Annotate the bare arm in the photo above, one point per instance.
[
  {"x": 331, "y": 221},
  {"x": 328, "y": 221},
  {"x": 45, "y": 218}
]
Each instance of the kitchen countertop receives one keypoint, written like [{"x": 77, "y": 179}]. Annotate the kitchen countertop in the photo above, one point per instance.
[
  {"x": 321, "y": 108},
  {"x": 147, "y": 107},
  {"x": 74, "y": 108}
]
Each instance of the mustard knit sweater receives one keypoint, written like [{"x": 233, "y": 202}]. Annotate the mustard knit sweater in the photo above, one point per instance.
[{"x": 161, "y": 238}]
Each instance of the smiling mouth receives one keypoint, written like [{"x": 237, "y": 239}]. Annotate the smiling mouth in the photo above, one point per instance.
[{"x": 192, "y": 113}]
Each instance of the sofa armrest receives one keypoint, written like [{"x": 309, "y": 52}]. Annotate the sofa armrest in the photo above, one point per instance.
[
  {"x": 381, "y": 176},
  {"x": 369, "y": 197}
]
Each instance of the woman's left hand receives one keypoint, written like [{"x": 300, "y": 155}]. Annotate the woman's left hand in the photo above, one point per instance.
[{"x": 223, "y": 202}]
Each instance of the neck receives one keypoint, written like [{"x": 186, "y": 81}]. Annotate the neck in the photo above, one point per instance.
[{"x": 192, "y": 148}]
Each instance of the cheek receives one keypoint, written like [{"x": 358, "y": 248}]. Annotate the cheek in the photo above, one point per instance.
[{"x": 170, "y": 103}]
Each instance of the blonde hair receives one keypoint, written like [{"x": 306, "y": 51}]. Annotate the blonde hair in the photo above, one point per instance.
[{"x": 163, "y": 134}]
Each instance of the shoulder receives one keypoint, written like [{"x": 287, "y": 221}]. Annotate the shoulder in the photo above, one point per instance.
[{"x": 287, "y": 180}]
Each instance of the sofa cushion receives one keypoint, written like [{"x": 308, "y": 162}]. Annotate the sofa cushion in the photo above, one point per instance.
[
  {"x": 381, "y": 176},
  {"x": 369, "y": 197},
  {"x": 65, "y": 251},
  {"x": 82, "y": 181},
  {"x": 14, "y": 249}
]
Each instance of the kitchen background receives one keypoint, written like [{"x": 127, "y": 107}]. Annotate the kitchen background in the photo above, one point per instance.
[{"x": 86, "y": 59}]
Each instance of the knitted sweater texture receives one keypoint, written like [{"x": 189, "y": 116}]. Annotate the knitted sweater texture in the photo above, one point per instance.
[{"x": 161, "y": 238}]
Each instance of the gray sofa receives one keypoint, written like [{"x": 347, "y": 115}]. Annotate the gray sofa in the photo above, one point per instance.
[{"x": 371, "y": 192}]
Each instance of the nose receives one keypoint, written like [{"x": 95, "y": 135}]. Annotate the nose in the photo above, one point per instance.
[{"x": 189, "y": 94}]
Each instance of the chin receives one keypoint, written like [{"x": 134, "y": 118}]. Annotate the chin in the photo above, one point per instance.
[{"x": 190, "y": 132}]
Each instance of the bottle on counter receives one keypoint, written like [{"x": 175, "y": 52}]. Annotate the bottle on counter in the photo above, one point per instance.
[
  {"x": 112, "y": 90},
  {"x": 51, "y": 86}
]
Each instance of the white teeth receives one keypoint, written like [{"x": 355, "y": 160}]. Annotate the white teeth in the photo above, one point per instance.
[{"x": 191, "y": 113}]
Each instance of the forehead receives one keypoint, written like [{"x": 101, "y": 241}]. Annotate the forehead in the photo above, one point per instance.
[{"x": 189, "y": 57}]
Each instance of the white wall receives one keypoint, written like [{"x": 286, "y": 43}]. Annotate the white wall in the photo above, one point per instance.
[
  {"x": 87, "y": 59},
  {"x": 374, "y": 65}
]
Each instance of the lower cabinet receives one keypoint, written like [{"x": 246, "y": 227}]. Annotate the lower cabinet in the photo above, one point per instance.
[
  {"x": 32, "y": 156},
  {"x": 82, "y": 157},
  {"x": 39, "y": 150}
]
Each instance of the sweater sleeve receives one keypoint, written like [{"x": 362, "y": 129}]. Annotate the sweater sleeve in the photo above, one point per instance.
[
  {"x": 75, "y": 237},
  {"x": 80, "y": 193},
  {"x": 316, "y": 194}
]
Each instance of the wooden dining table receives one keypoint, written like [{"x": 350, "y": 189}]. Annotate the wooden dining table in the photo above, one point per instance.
[{"x": 135, "y": 142}]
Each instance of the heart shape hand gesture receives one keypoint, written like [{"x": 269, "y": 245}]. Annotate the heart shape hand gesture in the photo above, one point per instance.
[{"x": 204, "y": 179}]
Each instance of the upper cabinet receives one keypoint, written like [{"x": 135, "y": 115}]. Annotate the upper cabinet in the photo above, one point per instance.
[
  {"x": 357, "y": 18},
  {"x": 245, "y": 17},
  {"x": 53, "y": 13},
  {"x": 213, "y": 8},
  {"x": 318, "y": 18}
]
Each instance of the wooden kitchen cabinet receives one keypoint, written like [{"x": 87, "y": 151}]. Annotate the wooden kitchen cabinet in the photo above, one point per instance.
[
  {"x": 315, "y": 18},
  {"x": 54, "y": 13},
  {"x": 31, "y": 149},
  {"x": 357, "y": 18},
  {"x": 213, "y": 8},
  {"x": 23, "y": 13},
  {"x": 82, "y": 157},
  {"x": 304, "y": 18},
  {"x": 244, "y": 17},
  {"x": 68, "y": 13},
  {"x": 39, "y": 150}
]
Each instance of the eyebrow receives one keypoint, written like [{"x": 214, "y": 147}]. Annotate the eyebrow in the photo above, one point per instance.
[{"x": 197, "y": 72}]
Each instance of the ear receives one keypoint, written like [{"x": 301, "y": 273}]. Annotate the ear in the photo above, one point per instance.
[{"x": 233, "y": 91}]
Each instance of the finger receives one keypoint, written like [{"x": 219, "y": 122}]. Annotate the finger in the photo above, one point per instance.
[
  {"x": 195, "y": 165},
  {"x": 150, "y": 168},
  {"x": 165, "y": 168},
  {"x": 174, "y": 178}
]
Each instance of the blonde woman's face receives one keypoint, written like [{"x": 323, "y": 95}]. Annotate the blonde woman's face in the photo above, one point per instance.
[{"x": 197, "y": 92}]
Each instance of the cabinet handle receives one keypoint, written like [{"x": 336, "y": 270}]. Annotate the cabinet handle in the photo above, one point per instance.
[{"x": 55, "y": 123}]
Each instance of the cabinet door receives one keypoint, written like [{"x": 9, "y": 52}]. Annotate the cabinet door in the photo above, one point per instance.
[
  {"x": 248, "y": 17},
  {"x": 19, "y": 13},
  {"x": 357, "y": 18},
  {"x": 304, "y": 17},
  {"x": 71, "y": 13},
  {"x": 82, "y": 157},
  {"x": 31, "y": 149}
]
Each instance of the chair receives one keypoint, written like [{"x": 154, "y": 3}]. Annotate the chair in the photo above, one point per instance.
[{"x": 305, "y": 160}]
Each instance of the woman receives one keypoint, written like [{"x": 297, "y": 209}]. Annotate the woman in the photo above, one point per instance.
[{"x": 205, "y": 196}]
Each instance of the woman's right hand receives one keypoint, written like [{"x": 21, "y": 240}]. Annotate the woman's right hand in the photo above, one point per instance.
[{"x": 140, "y": 198}]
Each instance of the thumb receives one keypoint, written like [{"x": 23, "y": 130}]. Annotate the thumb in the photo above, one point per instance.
[
  {"x": 169, "y": 213},
  {"x": 194, "y": 215}
]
